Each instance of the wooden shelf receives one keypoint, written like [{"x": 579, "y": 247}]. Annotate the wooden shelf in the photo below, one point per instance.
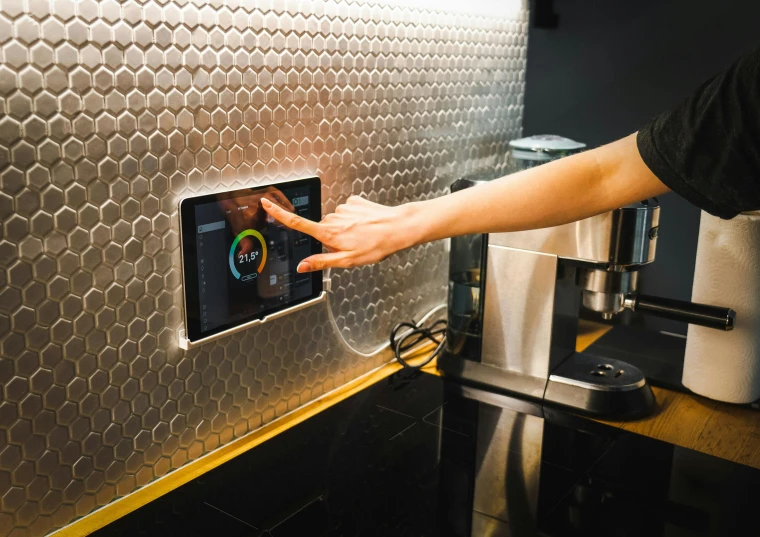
[{"x": 720, "y": 429}]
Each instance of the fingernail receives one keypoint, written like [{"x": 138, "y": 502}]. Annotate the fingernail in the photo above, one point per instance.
[
  {"x": 265, "y": 202},
  {"x": 303, "y": 266}
]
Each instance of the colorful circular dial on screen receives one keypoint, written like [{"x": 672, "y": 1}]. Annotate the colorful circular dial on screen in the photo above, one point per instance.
[{"x": 256, "y": 257}]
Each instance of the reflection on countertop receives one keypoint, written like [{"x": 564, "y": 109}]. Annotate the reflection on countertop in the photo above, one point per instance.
[{"x": 428, "y": 457}]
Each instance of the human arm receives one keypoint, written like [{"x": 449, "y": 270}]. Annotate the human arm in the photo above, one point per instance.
[
  {"x": 705, "y": 149},
  {"x": 360, "y": 232}
]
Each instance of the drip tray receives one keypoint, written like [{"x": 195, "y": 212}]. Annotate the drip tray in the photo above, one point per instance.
[
  {"x": 600, "y": 387},
  {"x": 658, "y": 356}
]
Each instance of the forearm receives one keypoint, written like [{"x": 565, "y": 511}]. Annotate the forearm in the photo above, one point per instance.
[
  {"x": 566, "y": 190},
  {"x": 361, "y": 232}
]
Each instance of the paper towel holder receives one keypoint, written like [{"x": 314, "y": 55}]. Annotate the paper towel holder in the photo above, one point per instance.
[{"x": 727, "y": 267}]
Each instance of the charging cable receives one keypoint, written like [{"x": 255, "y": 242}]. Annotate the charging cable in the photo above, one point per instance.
[
  {"x": 402, "y": 343},
  {"x": 415, "y": 334}
]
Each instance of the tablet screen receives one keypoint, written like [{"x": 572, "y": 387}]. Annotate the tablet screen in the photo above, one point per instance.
[{"x": 239, "y": 264}]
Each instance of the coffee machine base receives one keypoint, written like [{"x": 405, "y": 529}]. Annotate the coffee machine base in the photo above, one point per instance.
[{"x": 601, "y": 388}]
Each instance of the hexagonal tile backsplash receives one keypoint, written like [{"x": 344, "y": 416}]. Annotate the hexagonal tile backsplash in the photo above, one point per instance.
[{"x": 109, "y": 112}]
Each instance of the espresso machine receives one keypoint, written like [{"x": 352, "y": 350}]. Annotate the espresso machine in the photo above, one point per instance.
[{"x": 515, "y": 298}]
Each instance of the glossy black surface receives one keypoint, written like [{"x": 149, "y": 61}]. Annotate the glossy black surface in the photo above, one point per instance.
[{"x": 424, "y": 457}]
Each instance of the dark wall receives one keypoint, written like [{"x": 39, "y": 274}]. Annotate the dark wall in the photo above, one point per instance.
[{"x": 610, "y": 66}]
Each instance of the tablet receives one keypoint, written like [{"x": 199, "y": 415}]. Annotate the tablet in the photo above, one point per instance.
[{"x": 238, "y": 263}]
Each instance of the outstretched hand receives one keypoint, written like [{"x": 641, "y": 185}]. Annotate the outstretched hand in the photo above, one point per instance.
[{"x": 359, "y": 232}]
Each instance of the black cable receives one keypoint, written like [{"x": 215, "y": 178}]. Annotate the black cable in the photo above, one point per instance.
[{"x": 413, "y": 336}]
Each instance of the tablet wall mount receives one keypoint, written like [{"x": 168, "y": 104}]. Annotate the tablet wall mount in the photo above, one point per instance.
[
  {"x": 186, "y": 344},
  {"x": 239, "y": 264}
]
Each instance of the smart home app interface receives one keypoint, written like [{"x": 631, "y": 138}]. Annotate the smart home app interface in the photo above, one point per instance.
[{"x": 246, "y": 260}]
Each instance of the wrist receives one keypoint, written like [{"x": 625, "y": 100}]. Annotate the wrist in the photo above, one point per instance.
[{"x": 413, "y": 226}]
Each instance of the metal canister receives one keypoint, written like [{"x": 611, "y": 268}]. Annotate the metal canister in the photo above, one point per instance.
[{"x": 536, "y": 150}]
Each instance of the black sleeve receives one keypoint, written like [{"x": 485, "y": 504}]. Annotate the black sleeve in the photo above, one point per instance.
[{"x": 708, "y": 148}]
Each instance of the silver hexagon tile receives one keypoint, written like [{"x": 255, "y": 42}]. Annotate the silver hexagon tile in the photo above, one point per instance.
[{"x": 111, "y": 111}]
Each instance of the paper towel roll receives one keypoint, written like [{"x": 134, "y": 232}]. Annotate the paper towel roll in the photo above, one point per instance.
[{"x": 726, "y": 365}]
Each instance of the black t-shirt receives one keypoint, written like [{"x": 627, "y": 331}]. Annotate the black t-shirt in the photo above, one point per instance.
[{"x": 707, "y": 149}]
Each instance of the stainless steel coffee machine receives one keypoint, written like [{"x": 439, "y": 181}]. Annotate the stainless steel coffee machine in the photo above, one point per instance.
[{"x": 514, "y": 302}]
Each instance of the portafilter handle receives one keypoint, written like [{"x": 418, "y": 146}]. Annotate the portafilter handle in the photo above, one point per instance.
[{"x": 680, "y": 310}]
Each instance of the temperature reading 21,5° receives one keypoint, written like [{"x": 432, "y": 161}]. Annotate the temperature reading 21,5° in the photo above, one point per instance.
[{"x": 248, "y": 258}]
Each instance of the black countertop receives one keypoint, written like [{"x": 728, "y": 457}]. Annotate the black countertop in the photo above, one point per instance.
[{"x": 426, "y": 457}]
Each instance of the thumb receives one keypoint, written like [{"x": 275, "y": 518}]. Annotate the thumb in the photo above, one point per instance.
[{"x": 323, "y": 261}]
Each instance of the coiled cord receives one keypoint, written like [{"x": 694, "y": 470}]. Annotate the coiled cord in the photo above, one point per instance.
[
  {"x": 398, "y": 343},
  {"x": 415, "y": 334}
]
